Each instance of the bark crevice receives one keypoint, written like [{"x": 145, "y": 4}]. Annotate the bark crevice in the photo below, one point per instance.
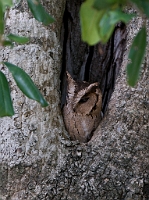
[{"x": 99, "y": 63}]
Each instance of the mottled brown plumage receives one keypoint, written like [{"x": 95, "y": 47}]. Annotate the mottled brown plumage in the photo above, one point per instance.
[{"x": 82, "y": 111}]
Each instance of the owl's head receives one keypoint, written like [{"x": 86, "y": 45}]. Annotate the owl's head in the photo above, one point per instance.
[{"x": 84, "y": 98}]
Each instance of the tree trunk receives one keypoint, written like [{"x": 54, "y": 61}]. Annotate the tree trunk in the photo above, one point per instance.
[{"x": 37, "y": 158}]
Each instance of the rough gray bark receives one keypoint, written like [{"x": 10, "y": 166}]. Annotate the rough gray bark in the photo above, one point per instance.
[{"x": 37, "y": 162}]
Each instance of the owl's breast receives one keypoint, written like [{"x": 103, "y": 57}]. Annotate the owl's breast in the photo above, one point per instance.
[{"x": 80, "y": 126}]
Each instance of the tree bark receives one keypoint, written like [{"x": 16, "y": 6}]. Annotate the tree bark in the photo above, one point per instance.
[{"x": 37, "y": 158}]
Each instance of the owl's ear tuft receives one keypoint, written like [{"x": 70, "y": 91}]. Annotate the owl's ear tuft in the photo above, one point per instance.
[
  {"x": 70, "y": 84},
  {"x": 68, "y": 76},
  {"x": 92, "y": 88}
]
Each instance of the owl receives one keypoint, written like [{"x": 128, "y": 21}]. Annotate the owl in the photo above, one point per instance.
[{"x": 82, "y": 110}]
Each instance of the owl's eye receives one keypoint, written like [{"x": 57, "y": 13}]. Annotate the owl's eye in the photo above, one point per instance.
[{"x": 83, "y": 99}]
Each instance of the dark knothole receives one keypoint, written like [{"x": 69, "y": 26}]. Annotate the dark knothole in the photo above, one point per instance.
[{"x": 99, "y": 63}]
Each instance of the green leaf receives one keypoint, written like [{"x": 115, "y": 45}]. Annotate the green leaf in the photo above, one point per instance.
[
  {"x": 89, "y": 22},
  {"x": 108, "y": 22},
  {"x": 7, "y": 43},
  {"x": 39, "y": 12},
  {"x": 1, "y": 19},
  {"x": 100, "y": 4},
  {"x": 6, "y": 108},
  {"x": 136, "y": 56},
  {"x": 143, "y": 5},
  {"x": 26, "y": 84},
  {"x": 18, "y": 39}
]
